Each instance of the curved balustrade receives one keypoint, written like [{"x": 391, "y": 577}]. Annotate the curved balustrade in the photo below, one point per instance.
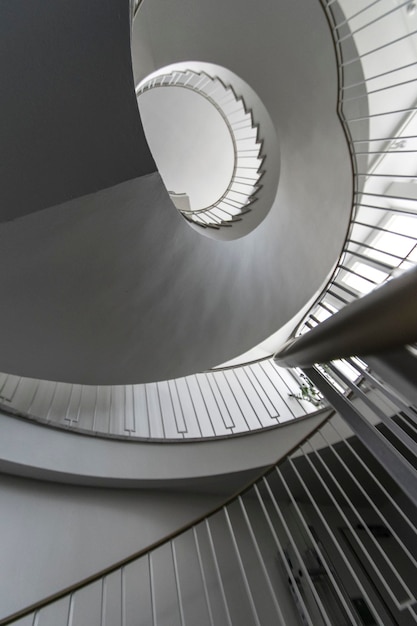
[
  {"x": 211, "y": 404},
  {"x": 244, "y": 184},
  {"x": 382, "y": 238},
  {"x": 327, "y": 537}
]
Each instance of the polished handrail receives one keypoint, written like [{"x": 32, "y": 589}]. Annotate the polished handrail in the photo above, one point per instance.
[{"x": 383, "y": 320}]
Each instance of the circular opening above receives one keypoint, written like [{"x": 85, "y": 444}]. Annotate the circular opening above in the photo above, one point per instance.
[
  {"x": 191, "y": 143},
  {"x": 214, "y": 145}
]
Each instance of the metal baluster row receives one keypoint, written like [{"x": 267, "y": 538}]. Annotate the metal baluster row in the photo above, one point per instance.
[
  {"x": 378, "y": 110},
  {"x": 327, "y": 537},
  {"x": 210, "y": 404}
]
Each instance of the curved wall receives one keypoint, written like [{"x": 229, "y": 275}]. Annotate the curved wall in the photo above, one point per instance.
[
  {"x": 69, "y": 123},
  {"x": 116, "y": 288},
  {"x": 35, "y": 451}
]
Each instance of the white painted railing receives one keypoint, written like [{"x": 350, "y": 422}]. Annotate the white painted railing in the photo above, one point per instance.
[
  {"x": 212, "y": 404},
  {"x": 245, "y": 182}
]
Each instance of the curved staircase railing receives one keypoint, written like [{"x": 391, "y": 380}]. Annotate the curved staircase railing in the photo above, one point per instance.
[
  {"x": 328, "y": 536},
  {"x": 245, "y": 181},
  {"x": 382, "y": 242},
  {"x": 218, "y": 403}
]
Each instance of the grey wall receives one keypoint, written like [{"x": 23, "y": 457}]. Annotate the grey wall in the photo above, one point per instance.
[
  {"x": 55, "y": 535},
  {"x": 69, "y": 122},
  {"x": 31, "y": 450}
]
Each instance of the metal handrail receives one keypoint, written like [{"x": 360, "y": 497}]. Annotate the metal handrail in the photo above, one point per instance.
[{"x": 383, "y": 320}]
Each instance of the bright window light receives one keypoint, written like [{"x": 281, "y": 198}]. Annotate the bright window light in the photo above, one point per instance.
[
  {"x": 363, "y": 272},
  {"x": 393, "y": 243}
]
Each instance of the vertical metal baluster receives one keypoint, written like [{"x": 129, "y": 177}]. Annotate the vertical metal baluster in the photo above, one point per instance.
[
  {"x": 374, "y": 478},
  {"x": 33, "y": 397},
  {"x": 336, "y": 543},
  {"x": 383, "y": 388},
  {"x": 248, "y": 399},
  {"x": 70, "y": 610},
  {"x": 181, "y": 406},
  {"x": 237, "y": 403},
  {"x": 298, "y": 554},
  {"x": 401, "y": 470},
  {"x": 110, "y": 409},
  {"x": 203, "y": 576},
  {"x": 133, "y": 410},
  {"x": 205, "y": 404},
  {"x": 193, "y": 405},
  {"x": 4, "y": 383},
  {"x": 317, "y": 548},
  {"x": 262, "y": 563},
  {"x": 242, "y": 568},
  {"x": 219, "y": 578},
  {"x": 283, "y": 557},
  {"x": 177, "y": 582},
  {"x": 147, "y": 411},
  {"x": 391, "y": 425},
  {"x": 230, "y": 423},
  {"x": 160, "y": 411},
  {"x": 152, "y": 591},
  {"x": 95, "y": 409},
  {"x": 385, "y": 584},
  {"x": 51, "y": 403},
  {"x": 66, "y": 418},
  {"x": 123, "y": 596},
  {"x": 369, "y": 499},
  {"x": 103, "y": 601}
]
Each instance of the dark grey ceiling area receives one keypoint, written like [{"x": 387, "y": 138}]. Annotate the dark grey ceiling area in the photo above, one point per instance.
[{"x": 69, "y": 123}]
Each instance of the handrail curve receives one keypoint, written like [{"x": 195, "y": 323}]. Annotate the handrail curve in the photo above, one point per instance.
[{"x": 228, "y": 208}]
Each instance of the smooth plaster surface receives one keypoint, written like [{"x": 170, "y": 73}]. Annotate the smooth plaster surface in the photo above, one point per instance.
[{"x": 115, "y": 287}]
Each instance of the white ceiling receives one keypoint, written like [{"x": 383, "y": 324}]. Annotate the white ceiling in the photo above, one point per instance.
[{"x": 190, "y": 142}]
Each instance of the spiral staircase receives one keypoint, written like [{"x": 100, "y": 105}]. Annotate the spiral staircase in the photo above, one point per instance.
[
  {"x": 244, "y": 184},
  {"x": 280, "y": 489}
]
